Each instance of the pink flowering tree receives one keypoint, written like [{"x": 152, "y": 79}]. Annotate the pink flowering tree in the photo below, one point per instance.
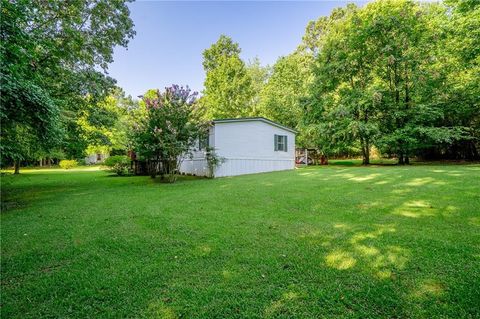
[{"x": 168, "y": 130}]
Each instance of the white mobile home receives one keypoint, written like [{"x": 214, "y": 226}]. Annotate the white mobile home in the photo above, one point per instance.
[{"x": 247, "y": 146}]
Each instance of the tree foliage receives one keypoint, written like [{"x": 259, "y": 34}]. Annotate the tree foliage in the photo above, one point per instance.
[
  {"x": 459, "y": 61},
  {"x": 259, "y": 75},
  {"x": 224, "y": 48},
  {"x": 281, "y": 97},
  {"x": 53, "y": 58},
  {"x": 29, "y": 120},
  {"x": 228, "y": 85},
  {"x": 399, "y": 75},
  {"x": 382, "y": 78},
  {"x": 104, "y": 125}
]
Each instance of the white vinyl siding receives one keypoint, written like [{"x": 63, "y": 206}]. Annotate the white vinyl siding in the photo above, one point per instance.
[{"x": 246, "y": 147}]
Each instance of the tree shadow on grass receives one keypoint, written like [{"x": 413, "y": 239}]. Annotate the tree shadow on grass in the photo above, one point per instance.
[
  {"x": 423, "y": 208},
  {"x": 355, "y": 273},
  {"x": 366, "y": 248},
  {"x": 30, "y": 188},
  {"x": 387, "y": 273}
]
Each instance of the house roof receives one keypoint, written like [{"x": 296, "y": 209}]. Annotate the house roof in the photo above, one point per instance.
[{"x": 253, "y": 119}]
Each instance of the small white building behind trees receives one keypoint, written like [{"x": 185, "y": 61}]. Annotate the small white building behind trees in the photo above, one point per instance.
[
  {"x": 96, "y": 158},
  {"x": 245, "y": 146}
]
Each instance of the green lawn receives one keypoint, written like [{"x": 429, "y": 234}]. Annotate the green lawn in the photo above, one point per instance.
[{"x": 329, "y": 242}]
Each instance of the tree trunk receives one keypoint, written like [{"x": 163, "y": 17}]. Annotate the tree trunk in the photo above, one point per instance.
[
  {"x": 152, "y": 168},
  {"x": 16, "y": 166},
  {"x": 472, "y": 152},
  {"x": 365, "y": 152},
  {"x": 407, "y": 160},
  {"x": 400, "y": 160},
  {"x": 162, "y": 169},
  {"x": 366, "y": 158}
]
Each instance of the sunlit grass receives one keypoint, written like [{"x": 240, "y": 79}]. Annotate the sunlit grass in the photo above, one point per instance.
[{"x": 317, "y": 242}]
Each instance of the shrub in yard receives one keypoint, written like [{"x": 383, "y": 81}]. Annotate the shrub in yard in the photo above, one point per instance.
[
  {"x": 118, "y": 164},
  {"x": 168, "y": 130},
  {"x": 67, "y": 164}
]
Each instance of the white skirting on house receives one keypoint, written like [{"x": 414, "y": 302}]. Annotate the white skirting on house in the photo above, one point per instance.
[
  {"x": 240, "y": 166},
  {"x": 236, "y": 166},
  {"x": 196, "y": 166}
]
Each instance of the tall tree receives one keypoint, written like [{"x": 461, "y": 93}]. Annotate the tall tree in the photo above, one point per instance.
[
  {"x": 223, "y": 48},
  {"x": 378, "y": 78},
  {"x": 281, "y": 96},
  {"x": 42, "y": 42},
  {"x": 343, "y": 92},
  {"x": 459, "y": 61},
  {"x": 259, "y": 75},
  {"x": 104, "y": 126},
  {"x": 402, "y": 37},
  {"x": 228, "y": 85}
]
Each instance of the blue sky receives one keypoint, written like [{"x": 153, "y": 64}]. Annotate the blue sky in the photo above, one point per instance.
[{"x": 171, "y": 37}]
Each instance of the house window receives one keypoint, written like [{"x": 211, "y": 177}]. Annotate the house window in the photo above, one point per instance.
[{"x": 280, "y": 143}]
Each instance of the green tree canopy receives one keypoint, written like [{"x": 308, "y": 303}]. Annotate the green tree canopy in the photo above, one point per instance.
[
  {"x": 51, "y": 57},
  {"x": 228, "y": 85},
  {"x": 288, "y": 83},
  {"x": 380, "y": 77},
  {"x": 259, "y": 75},
  {"x": 224, "y": 48}
]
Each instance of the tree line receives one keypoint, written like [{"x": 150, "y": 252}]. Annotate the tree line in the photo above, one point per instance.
[
  {"x": 56, "y": 98},
  {"x": 398, "y": 76}
]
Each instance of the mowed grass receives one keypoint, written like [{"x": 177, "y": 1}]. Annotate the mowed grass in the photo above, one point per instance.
[{"x": 317, "y": 242}]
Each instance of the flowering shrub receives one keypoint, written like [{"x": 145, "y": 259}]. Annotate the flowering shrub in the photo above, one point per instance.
[
  {"x": 119, "y": 164},
  {"x": 167, "y": 131},
  {"x": 67, "y": 164}
]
